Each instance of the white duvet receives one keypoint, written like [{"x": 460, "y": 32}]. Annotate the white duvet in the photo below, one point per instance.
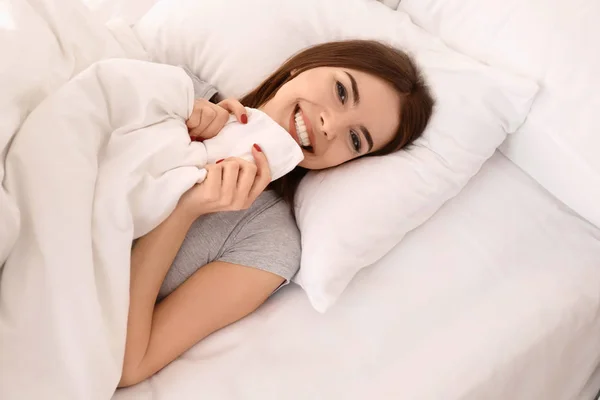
[
  {"x": 101, "y": 161},
  {"x": 44, "y": 43}
]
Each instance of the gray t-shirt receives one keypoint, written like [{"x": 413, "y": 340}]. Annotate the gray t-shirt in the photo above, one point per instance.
[{"x": 265, "y": 237}]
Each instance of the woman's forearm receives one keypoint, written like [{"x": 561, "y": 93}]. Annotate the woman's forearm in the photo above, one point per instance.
[{"x": 151, "y": 259}]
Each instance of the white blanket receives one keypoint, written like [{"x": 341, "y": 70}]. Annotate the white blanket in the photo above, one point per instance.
[
  {"x": 43, "y": 44},
  {"x": 100, "y": 162}
]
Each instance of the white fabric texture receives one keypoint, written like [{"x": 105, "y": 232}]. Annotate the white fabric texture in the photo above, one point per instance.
[
  {"x": 43, "y": 44},
  {"x": 488, "y": 300},
  {"x": 556, "y": 43},
  {"x": 101, "y": 161},
  {"x": 236, "y": 140},
  {"x": 65, "y": 285},
  {"x": 592, "y": 387},
  {"x": 127, "y": 11},
  {"x": 407, "y": 188},
  {"x": 393, "y": 4}
]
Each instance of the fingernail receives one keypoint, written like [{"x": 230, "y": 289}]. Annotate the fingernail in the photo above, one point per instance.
[
  {"x": 221, "y": 160},
  {"x": 244, "y": 119},
  {"x": 257, "y": 147},
  {"x": 198, "y": 139}
]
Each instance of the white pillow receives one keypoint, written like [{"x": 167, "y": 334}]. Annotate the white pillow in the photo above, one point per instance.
[
  {"x": 556, "y": 43},
  {"x": 352, "y": 215}
]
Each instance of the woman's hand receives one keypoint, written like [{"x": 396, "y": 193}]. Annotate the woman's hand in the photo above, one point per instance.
[
  {"x": 208, "y": 119},
  {"x": 230, "y": 185}
]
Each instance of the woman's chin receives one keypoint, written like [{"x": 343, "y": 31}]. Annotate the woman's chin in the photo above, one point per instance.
[
  {"x": 310, "y": 166},
  {"x": 314, "y": 162},
  {"x": 304, "y": 165},
  {"x": 307, "y": 164}
]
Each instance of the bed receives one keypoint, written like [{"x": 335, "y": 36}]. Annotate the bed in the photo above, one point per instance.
[
  {"x": 497, "y": 296},
  {"x": 456, "y": 311}
]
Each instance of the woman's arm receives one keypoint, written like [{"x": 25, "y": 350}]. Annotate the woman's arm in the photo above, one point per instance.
[
  {"x": 217, "y": 295},
  {"x": 157, "y": 335},
  {"x": 151, "y": 259}
]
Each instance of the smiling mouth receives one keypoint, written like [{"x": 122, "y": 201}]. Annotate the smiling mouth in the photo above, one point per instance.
[{"x": 301, "y": 130}]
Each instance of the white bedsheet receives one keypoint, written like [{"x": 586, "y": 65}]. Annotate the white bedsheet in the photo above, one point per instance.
[{"x": 496, "y": 297}]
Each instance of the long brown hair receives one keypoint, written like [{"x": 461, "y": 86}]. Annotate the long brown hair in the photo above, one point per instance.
[{"x": 388, "y": 63}]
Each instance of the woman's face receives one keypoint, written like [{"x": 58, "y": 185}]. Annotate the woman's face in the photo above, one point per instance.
[{"x": 336, "y": 114}]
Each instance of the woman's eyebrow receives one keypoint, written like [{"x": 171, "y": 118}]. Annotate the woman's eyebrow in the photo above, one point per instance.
[
  {"x": 367, "y": 136},
  {"x": 355, "y": 94}
]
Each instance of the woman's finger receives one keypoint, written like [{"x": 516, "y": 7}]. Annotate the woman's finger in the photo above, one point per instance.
[
  {"x": 212, "y": 183},
  {"x": 231, "y": 170},
  {"x": 246, "y": 179},
  {"x": 236, "y": 108},
  {"x": 208, "y": 115},
  {"x": 263, "y": 173},
  {"x": 194, "y": 119},
  {"x": 215, "y": 125}
]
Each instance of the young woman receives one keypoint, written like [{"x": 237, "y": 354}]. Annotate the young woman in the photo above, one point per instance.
[{"x": 209, "y": 268}]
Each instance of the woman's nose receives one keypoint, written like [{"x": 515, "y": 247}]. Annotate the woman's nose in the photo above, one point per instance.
[{"x": 328, "y": 127}]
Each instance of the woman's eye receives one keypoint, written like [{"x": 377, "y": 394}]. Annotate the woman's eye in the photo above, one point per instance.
[
  {"x": 341, "y": 91},
  {"x": 355, "y": 141}
]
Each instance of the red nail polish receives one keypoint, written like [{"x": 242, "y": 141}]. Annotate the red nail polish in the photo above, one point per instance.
[
  {"x": 221, "y": 160},
  {"x": 197, "y": 139},
  {"x": 244, "y": 119},
  {"x": 257, "y": 147}
]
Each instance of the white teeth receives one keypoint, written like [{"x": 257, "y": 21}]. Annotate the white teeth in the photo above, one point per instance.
[{"x": 301, "y": 130}]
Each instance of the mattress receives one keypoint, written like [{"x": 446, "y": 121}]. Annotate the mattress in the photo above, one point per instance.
[{"x": 496, "y": 297}]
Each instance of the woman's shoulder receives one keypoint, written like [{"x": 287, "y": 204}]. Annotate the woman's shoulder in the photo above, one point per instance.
[
  {"x": 268, "y": 217},
  {"x": 271, "y": 213},
  {"x": 267, "y": 239}
]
